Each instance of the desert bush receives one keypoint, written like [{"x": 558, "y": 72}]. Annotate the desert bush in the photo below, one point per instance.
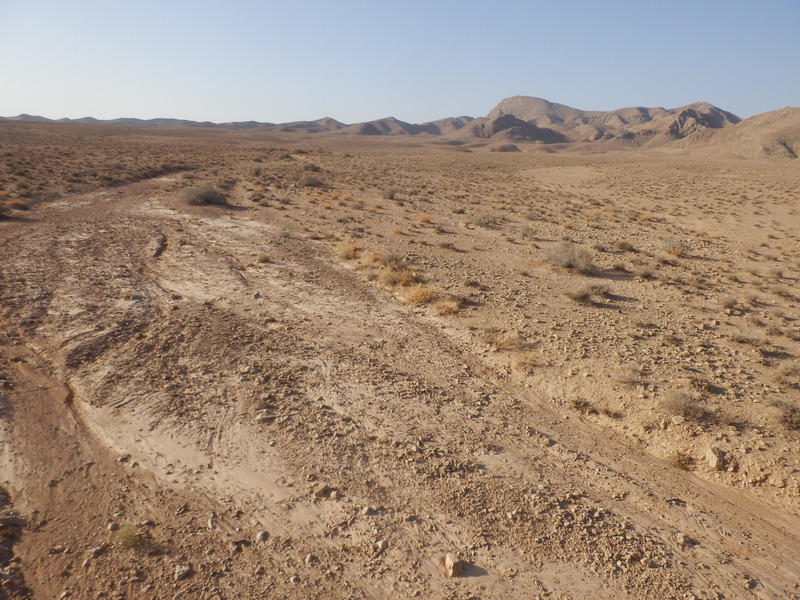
[
  {"x": 675, "y": 247},
  {"x": 623, "y": 246},
  {"x": 4, "y": 213},
  {"x": 203, "y": 194},
  {"x": 581, "y": 296},
  {"x": 392, "y": 277},
  {"x": 630, "y": 375},
  {"x": 681, "y": 404},
  {"x": 486, "y": 219},
  {"x": 389, "y": 194},
  {"x": 788, "y": 372},
  {"x": 262, "y": 258},
  {"x": 347, "y": 250},
  {"x": 789, "y": 416},
  {"x": 679, "y": 460},
  {"x": 446, "y": 307},
  {"x": 128, "y": 536},
  {"x": 569, "y": 255},
  {"x": 527, "y": 363},
  {"x": 419, "y": 294},
  {"x": 583, "y": 406},
  {"x": 393, "y": 261}
]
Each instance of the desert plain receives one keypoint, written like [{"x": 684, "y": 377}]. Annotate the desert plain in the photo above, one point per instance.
[{"x": 577, "y": 372}]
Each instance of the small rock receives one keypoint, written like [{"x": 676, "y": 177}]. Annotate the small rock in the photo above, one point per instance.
[
  {"x": 368, "y": 510},
  {"x": 716, "y": 459},
  {"x": 182, "y": 572},
  {"x": 294, "y": 579},
  {"x": 261, "y": 537},
  {"x": 13, "y": 521},
  {"x": 322, "y": 490},
  {"x": 264, "y": 417},
  {"x": 113, "y": 526},
  {"x": 310, "y": 559},
  {"x": 451, "y": 566},
  {"x": 381, "y": 545}
]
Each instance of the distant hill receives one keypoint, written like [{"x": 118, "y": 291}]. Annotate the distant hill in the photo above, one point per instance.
[
  {"x": 697, "y": 127},
  {"x": 640, "y": 126},
  {"x": 774, "y": 134}
]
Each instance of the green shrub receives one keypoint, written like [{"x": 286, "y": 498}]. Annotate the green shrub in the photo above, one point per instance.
[{"x": 128, "y": 536}]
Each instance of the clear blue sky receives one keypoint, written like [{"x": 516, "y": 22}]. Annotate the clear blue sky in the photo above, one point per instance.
[{"x": 358, "y": 60}]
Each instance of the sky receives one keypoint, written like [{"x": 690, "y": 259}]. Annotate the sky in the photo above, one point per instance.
[{"x": 360, "y": 60}]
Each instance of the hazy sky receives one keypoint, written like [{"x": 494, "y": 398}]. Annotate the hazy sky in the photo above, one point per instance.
[{"x": 358, "y": 60}]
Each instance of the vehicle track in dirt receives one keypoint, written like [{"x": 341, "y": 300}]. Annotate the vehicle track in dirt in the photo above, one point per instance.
[{"x": 163, "y": 378}]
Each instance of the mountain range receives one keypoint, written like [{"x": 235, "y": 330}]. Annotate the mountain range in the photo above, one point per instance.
[{"x": 540, "y": 124}]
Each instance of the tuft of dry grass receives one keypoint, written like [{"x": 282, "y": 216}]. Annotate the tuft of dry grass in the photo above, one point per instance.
[
  {"x": 446, "y": 307},
  {"x": 347, "y": 250},
  {"x": 788, "y": 373},
  {"x": 418, "y": 294},
  {"x": 683, "y": 405},
  {"x": 679, "y": 460},
  {"x": 392, "y": 277}
]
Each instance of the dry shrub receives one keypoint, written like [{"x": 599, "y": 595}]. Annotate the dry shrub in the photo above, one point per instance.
[
  {"x": 679, "y": 460},
  {"x": 527, "y": 363},
  {"x": 569, "y": 255},
  {"x": 630, "y": 375},
  {"x": 788, "y": 373},
  {"x": 425, "y": 218},
  {"x": 683, "y": 405},
  {"x": 484, "y": 220},
  {"x": 18, "y": 205},
  {"x": 419, "y": 294},
  {"x": 623, "y": 246},
  {"x": 203, "y": 194},
  {"x": 307, "y": 179},
  {"x": 581, "y": 296},
  {"x": 446, "y": 307},
  {"x": 583, "y": 406},
  {"x": 675, "y": 247},
  {"x": 262, "y": 258},
  {"x": 790, "y": 415},
  {"x": 392, "y": 277},
  {"x": 347, "y": 250}
]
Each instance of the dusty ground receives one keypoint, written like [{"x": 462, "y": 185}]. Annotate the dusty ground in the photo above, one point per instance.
[{"x": 587, "y": 386}]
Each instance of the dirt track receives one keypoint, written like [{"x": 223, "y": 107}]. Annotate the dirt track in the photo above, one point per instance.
[{"x": 159, "y": 375}]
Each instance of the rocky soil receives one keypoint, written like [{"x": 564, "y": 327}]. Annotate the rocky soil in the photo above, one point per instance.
[{"x": 575, "y": 375}]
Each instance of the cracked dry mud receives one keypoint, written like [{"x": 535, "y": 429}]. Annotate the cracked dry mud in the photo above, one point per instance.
[{"x": 182, "y": 419}]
